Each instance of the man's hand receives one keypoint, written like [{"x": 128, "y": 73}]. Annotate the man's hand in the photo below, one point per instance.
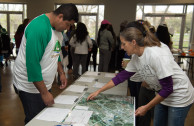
[
  {"x": 63, "y": 80},
  {"x": 45, "y": 94},
  {"x": 47, "y": 99}
]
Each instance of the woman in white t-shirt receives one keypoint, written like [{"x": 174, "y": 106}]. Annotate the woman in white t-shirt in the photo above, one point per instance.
[{"x": 155, "y": 64}]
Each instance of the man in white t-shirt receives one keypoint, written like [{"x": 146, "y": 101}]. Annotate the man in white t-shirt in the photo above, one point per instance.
[{"x": 38, "y": 59}]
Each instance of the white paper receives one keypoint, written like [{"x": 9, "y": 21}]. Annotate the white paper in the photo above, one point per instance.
[
  {"x": 79, "y": 116},
  {"x": 89, "y": 73},
  {"x": 65, "y": 99},
  {"x": 81, "y": 107},
  {"x": 99, "y": 84},
  {"x": 76, "y": 88},
  {"x": 86, "y": 79},
  {"x": 53, "y": 114},
  {"x": 109, "y": 75}
]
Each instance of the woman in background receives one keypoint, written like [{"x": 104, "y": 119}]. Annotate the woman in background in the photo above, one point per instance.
[
  {"x": 105, "y": 42},
  {"x": 82, "y": 43}
]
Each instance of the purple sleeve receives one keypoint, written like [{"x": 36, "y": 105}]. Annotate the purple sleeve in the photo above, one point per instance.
[
  {"x": 122, "y": 76},
  {"x": 167, "y": 86}
]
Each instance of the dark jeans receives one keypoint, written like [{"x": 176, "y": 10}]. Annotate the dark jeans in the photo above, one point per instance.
[
  {"x": 94, "y": 53},
  {"x": 134, "y": 88},
  {"x": 79, "y": 59},
  {"x": 105, "y": 56},
  {"x": 69, "y": 66},
  {"x": 145, "y": 96},
  {"x": 32, "y": 104}
]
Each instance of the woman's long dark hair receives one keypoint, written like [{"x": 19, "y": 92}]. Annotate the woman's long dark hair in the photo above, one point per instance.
[
  {"x": 81, "y": 32},
  {"x": 163, "y": 35}
]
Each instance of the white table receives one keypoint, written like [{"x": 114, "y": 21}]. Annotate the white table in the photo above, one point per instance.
[{"x": 117, "y": 90}]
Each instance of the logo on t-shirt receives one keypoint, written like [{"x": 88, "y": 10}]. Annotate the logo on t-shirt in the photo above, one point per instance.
[{"x": 57, "y": 49}]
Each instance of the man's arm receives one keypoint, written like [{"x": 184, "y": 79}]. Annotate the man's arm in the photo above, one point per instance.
[
  {"x": 45, "y": 94},
  {"x": 63, "y": 78}
]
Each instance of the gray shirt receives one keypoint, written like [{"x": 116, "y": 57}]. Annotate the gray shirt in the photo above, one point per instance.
[{"x": 105, "y": 38}]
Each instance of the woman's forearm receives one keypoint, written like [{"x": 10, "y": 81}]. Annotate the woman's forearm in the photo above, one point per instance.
[{"x": 109, "y": 85}]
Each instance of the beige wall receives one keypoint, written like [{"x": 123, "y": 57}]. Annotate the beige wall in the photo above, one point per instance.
[{"x": 115, "y": 10}]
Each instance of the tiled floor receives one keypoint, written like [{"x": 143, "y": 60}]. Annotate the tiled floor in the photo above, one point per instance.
[{"x": 11, "y": 111}]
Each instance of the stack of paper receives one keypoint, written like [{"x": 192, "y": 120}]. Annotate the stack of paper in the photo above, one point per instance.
[{"x": 53, "y": 114}]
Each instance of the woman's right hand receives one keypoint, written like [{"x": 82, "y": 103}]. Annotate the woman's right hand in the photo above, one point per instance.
[{"x": 93, "y": 95}]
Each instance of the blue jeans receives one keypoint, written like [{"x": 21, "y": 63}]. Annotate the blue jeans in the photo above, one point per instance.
[{"x": 170, "y": 116}]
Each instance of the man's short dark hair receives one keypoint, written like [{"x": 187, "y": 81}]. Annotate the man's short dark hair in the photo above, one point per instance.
[{"x": 69, "y": 12}]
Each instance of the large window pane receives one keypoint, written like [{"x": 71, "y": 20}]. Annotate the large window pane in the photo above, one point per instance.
[
  {"x": 90, "y": 22},
  {"x": 15, "y": 7},
  {"x": 188, "y": 26},
  {"x": 3, "y": 20},
  {"x": 101, "y": 15},
  {"x": 163, "y": 9},
  {"x": 87, "y": 8},
  {"x": 174, "y": 25},
  {"x": 176, "y": 17},
  {"x": 139, "y": 12},
  {"x": 15, "y": 21},
  {"x": 3, "y": 7}
]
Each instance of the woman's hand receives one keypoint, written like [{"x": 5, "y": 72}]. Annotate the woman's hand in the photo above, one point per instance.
[
  {"x": 141, "y": 111},
  {"x": 93, "y": 95}
]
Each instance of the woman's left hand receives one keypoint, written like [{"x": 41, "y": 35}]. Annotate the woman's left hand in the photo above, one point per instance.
[{"x": 141, "y": 111}]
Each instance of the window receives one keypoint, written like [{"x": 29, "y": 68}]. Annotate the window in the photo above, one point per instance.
[
  {"x": 91, "y": 16},
  {"x": 11, "y": 16},
  {"x": 178, "y": 18}
]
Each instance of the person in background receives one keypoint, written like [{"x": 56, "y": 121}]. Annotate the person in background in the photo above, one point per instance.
[
  {"x": 63, "y": 56},
  {"x": 19, "y": 33},
  {"x": 105, "y": 42},
  {"x": 163, "y": 35},
  {"x": 1, "y": 45},
  {"x": 82, "y": 43},
  {"x": 70, "y": 32},
  {"x": 6, "y": 42},
  {"x": 155, "y": 64},
  {"x": 64, "y": 50},
  {"x": 38, "y": 59},
  {"x": 93, "y": 52},
  {"x": 119, "y": 51},
  {"x": 112, "y": 62}
]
